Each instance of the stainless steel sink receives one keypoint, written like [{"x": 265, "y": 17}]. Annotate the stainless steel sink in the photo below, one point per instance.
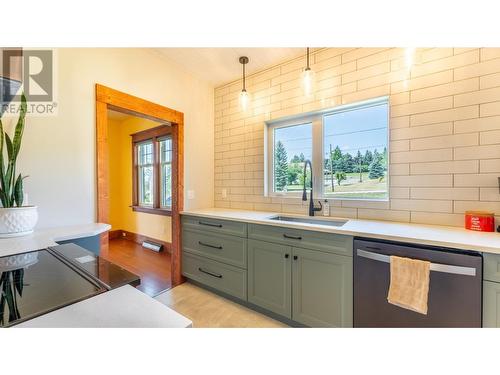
[{"x": 310, "y": 220}]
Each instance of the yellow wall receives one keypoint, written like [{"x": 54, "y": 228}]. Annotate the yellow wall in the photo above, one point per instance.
[{"x": 120, "y": 183}]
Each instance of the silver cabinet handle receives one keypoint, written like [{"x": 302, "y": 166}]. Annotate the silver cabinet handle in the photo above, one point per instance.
[{"x": 436, "y": 267}]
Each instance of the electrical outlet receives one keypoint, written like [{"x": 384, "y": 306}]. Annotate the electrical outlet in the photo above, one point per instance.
[
  {"x": 190, "y": 194},
  {"x": 224, "y": 193}
]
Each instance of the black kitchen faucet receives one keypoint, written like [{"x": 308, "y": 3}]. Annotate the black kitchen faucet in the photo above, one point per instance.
[{"x": 312, "y": 209}]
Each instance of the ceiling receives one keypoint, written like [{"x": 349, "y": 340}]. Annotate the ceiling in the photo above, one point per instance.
[
  {"x": 220, "y": 65},
  {"x": 118, "y": 116}
]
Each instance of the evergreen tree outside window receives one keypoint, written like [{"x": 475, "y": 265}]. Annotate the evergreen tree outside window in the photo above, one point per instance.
[
  {"x": 281, "y": 167},
  {"x": 292, "y": 147}
]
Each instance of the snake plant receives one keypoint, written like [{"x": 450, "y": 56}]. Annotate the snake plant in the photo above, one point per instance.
[
  {"x": 11, "y": 284},
  {"x": 11, "y": 187}
]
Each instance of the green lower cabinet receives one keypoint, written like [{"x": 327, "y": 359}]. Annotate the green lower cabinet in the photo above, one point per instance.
[
  {"x": 491, "y": 304},
  {"x": 269, "y": 276},
  {"x": 322, "y": 289}
]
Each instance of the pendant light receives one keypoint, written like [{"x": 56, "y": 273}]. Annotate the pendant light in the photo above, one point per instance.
[
  {"x": 244, "y": 97},
  {"x": 409, "y": 57},
  {"x": 307, "y": 81}
]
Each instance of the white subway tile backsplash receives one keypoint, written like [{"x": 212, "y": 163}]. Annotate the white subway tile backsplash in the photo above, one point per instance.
[
  {"x": 422, "y": 205},
  {"x": 490, "y": 194},
  {"x": 490, "y": 53},
  {"x": 477, "y": 70},
  {"x": 424, "y": 131},
  {"x": 491, "y": 80},
  {"x": 388, "y": 215},
  {"x": 445, "y": 90},
  {"x": 489, "y": 166},
  {"x": 455, "y": 114},
  {"x": 477, "y": 124},
  {"x": 476, "y": 180},
  {"x": 422, "y": 106},
  {"x": 469, "y": 194},
  {"x": 422, "y": 181},
  {"x": 461, "y": 206},
  {"x": 422, "y": 82},
  {"x": 444, "y": 130},
  {"x": 422, "y": 156},
  {"x": 489, "y": 109},
  {"x": 477, "y": 152},
  {"x": 436, "y": 218},
  {"x": 469, "y": 139},
  {"x": 462, "y": 166}
]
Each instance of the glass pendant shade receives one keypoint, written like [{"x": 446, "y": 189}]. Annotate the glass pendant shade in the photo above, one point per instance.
[
  {"x": 308, "y": 81},
  {"x": 244, "y": 100}
]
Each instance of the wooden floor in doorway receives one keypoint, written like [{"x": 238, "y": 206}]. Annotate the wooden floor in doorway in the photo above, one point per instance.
[{"x": 153, "y": 268}]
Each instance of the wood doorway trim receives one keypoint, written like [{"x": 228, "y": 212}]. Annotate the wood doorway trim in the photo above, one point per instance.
[{"x": 107, "y": 98}]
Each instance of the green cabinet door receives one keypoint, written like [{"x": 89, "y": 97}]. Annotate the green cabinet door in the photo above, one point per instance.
[
  {"x": 491, "y": 304},
  {"x": 269, "y": 276},
  {"x": 322, "y": 288}
]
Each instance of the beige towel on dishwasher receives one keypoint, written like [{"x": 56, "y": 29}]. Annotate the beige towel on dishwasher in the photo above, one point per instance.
[{"x": 409, "y": 286}]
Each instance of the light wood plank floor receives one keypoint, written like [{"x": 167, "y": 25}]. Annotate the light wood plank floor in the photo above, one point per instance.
[{"x": 208, "y": 310}]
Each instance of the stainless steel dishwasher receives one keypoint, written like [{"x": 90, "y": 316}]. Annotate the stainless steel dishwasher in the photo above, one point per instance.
[{"x": 455, "y": 289}]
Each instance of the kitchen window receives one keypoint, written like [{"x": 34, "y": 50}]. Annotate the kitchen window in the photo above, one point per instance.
[
  {"x": 348, "y": 147},
  {"x": 152, "y": 170}
]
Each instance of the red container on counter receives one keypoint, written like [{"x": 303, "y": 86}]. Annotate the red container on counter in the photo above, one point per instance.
[{"x": 480, "y": 220}]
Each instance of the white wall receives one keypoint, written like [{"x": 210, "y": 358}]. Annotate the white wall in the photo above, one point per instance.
[{"x": 58, "y": 153}]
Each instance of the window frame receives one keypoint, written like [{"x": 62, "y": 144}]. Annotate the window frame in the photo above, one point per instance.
[
  {"x": 155, "y": 135},
  {"x": 137, "y": 145},
  {"x": 161, "y": 164},
  {"x": 316, "y": 118}
]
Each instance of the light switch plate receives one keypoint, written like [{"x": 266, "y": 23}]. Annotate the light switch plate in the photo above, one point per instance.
[{"x": 190, "y": 194}]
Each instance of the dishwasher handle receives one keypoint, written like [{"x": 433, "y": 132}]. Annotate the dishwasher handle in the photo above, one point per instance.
[{"x": 436, "y": 267}]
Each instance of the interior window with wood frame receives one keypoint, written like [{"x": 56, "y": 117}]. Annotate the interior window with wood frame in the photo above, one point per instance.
[{"x": 152, "y": 170}]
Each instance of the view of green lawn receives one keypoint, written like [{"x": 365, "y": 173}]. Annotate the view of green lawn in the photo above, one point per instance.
[{"x": 351, "y": 187}]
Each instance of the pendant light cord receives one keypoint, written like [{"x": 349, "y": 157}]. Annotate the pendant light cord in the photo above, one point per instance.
[{"x": 244, "y": 85}]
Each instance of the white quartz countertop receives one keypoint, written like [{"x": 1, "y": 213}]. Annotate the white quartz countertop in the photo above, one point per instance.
[
  {"x": 434, "y": 235},
  {"x": 43, "y": 238},
  {"x": 124, "y": 307}
]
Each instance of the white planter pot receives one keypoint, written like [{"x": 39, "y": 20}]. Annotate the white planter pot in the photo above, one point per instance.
[{"x": 17, "y": 221}]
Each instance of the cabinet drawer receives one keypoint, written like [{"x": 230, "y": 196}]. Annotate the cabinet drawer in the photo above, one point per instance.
[
  {"x": 214, "y": 225},
  {"x": 220, "y": 276},
  {"x": 491, "y": 270},
  {"x": 226, "y": 249},
  {"x": 328, "y": 242}
]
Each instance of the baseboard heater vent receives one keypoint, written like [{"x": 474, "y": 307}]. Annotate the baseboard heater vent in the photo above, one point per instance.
[{"x": 152, "y": 246}]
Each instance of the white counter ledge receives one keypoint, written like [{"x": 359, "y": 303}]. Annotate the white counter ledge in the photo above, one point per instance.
[
  {"x": 124, "y": 307},
  {"x": 41, "y": 238},
  {"x": 435, "y": 235}
]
